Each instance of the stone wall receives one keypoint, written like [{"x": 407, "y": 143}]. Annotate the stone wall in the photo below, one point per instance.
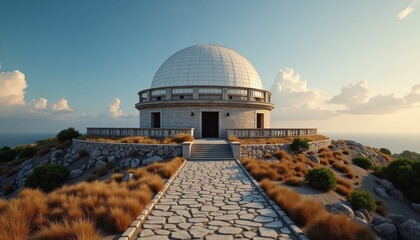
[
  {"x": 120, "y": 150},
  {"x": 259, "y": 150}
]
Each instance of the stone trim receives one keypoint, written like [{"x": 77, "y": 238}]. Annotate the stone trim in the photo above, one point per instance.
[
  {"x": 290, "y": 224},
  {"x": 135, "y": 225}
]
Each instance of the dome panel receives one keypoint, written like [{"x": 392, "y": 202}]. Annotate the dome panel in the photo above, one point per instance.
[{"x": 207, "y": 65}]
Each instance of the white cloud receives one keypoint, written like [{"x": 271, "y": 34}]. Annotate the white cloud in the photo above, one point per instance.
[
  {"x": 61, "y": 106},
  {"x": 406, "y": 12},
  {"x": 359, "y": 99},
  {"x": 294, "y": 100},
  {"x": 40, "y": 103},
  {"x": 12, "y": 88},
  {"x": 114, "y": 109}
]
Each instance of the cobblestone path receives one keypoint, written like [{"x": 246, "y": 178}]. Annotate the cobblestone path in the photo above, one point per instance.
[{"x": 213, "y": 200}]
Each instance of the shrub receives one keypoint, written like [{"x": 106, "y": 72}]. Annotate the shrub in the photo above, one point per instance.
[
  {"x": 321, "y": 178},
  {"x": 8, "y": 189},
  {"x": 363, "y": 162},
  {"x": 67, "y": 134},
  {"x": 300, "y": 145},
  {"x": 26, "y": 151},
  {"x": 47, "y": 177},
  {"x": 362, "y": 199},
  {"x": 385, "y": 151},
  {"x": 405, "y": 173},
  {"x": 7, "y": 154},
  {"x": 83, "y": 153},
  {"x": 41, "y": 152},
  {"x": 101, "y": 171},
  {"x": 381, "y": 208}
]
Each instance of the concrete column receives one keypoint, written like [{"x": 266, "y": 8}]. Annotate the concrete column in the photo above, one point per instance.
[{"x": 236, "y": 150}]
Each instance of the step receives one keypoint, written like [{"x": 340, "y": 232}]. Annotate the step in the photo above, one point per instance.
[{"x": 207, "y": 158}]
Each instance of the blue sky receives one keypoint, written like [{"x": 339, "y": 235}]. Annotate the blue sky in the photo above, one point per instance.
[{"x": 89, "y": 53}]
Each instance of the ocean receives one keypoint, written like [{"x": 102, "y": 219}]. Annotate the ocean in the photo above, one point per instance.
[{"x": 393, "y": 141}]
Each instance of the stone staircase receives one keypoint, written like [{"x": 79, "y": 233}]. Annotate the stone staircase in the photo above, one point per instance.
[{"x": 211, "y": 152}]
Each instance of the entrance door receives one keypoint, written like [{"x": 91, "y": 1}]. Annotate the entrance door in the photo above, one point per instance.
[
  {"x": 260, "y": 120},
  {"x": 210, "y": 124},
  {"x": 156, "y": 120}
]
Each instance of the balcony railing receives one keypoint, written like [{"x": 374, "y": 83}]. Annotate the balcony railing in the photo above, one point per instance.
[
  {"x": 271, "y": 132},
  {"x": 148, "y": 132}
]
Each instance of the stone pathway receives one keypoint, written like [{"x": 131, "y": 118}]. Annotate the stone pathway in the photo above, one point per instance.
[{"x": 213, "y": 200}]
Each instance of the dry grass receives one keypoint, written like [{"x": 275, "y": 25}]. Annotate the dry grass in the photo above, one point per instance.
[
  {"x": 178, "y": 138},
  {"x": 272, "y": 140},
  {"x": 83, "y": 210},
  {"x": 320, "y": 224},
  {"x": 294, "y": 181},
  {"x": 345, "y": 169},
  {"x": 329, "y": 226},
  {"x": 381, "y": 208}
]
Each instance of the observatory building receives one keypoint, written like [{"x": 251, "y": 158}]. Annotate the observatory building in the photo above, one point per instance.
[{"x": 206, "y": 87}]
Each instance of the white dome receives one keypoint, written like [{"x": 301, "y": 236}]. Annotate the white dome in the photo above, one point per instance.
[{"x": 207, "y": 65}]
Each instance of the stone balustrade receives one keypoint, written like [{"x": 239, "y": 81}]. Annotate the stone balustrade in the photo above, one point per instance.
[
  {"x": 148, "y": 132},
  {"x": 271, "y": 132}
]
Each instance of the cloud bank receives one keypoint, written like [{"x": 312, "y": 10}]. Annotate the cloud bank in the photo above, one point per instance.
[{"x": 406, "y": 11}]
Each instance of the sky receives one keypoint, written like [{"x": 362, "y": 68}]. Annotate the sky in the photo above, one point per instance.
[{"x": 339, "y": 66}]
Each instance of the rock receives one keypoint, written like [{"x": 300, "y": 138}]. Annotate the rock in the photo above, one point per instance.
[
  {"x": 26, "y": 163},
  {"x": 397, "y": 194},
  {"x": 83, "y": 167},
  {"x": 127, "y": 163},
  {"x": 416, "y": 207},
  {"x": 57, "y": 154},
  {"x": 102, "y": 158},
  {"x": 378, "y": 220},
  {"x": 27, "y": 173},
  {"x": 112, "y": 159},
  {"x": 152, "y": 160},
  {"x": 314, "y": 158},
  {"x": 177, "y": 152},
  {"x": 135, "y": 163},
  {"x": 91, "y": 162},
  {"x": 381, "y": 192},
  {"x": 67, "y": 157},
  {"x": 53, "y": 161},
  {"x": 396, "y": 219},
  {"x": 387, "y": 231},
  {"x": 344, "y": 209},
  {"x": 75, "y": 173},
  {"x": 386, "y": 184},
  {"x": 360, "y": 221},
  {"x": 127, "y": 177},
  {"x": 100, "y": 164},
  {"x": 410, "y": 230},
  {"x": 360, "y": 215},
  {"x": 150, "y": 154}
]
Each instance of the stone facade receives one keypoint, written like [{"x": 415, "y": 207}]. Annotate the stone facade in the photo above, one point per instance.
[
  {"x": 190, "y": 117},
  {"x": 259, "y": 150},
  {"x": 120, "y": 150}
]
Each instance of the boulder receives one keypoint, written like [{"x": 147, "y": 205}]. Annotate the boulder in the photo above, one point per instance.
[
  {"x": 112, "y": 159},
  {"x": 344, "y": 209},
  {"x": 128, "y": 177},
  {"x": 387, "y": 185},
  {"x": 100, "y": 164},
  {"x": 57, "y": 154},
  {"x": 387, "y": 231},
  {"x": 360, "y": 221},
  {"x": 397, "y": 194},
  {"x": 378, "y": 220},
  {"x": 135, "y": 163},
  {"x": 67, "y": 156},
  {"x": 152, "y": 160},
  {"x": 102, "y": 158},
  {"x": 396, "y": 219},
  {"x": 410, "y": 230},
  {"x": 83, "y": 167},
  {"x": 26, "y": 163},
  {"x": 314, "y": 159},
  {"x": 381, "y": 192},
  {"x": 75, "y": 173},
  {"x": 53, "y": 161},
  {"x": 416, "y": 207},
  {"x": 365, "y": 213},
  {"x": 360, "y": 215}
]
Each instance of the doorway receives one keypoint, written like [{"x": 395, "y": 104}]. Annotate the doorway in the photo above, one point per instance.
[
  {"x": 260, "y": 120},
  {"x": 210, "y": 124},
  {"x": 155, "y": 120}
]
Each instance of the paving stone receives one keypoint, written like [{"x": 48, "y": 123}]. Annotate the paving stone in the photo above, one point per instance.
[
  {"x": 176, "y": 219},
  {"x": 248, "y": 223},
  {"x": 219, "y": 223},
  {"x": 263, "y": 219},
  {"x": 156, "y": 237},
  {"x": 219, "y": 237},
  {"x": 147, "y": 233},
  {"x": 230, "y": 230},
  {"x": 267, "y": 232},
  {"x": 180, "y": 235},
  {"x": 275, "y": 224},
  {"x": 199, "y": 232},
  {"x": 209, "y": 209}
]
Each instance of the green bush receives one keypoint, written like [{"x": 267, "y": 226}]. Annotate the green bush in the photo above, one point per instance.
[
  {"x": 7, "y": 154},
  {"x": 47, "y": 177},
  {"x": 300, "y": 145},
  {"x": 363, "y": 162},
  {"x": 405, "y": 173},
  {"x": 321, "y": 178},
  {"x": 385, "y": 151},
  {"x": 26, "y": 151},
  {"x": 67, "y": 134},
  {"x": 361, "y": 199}
]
